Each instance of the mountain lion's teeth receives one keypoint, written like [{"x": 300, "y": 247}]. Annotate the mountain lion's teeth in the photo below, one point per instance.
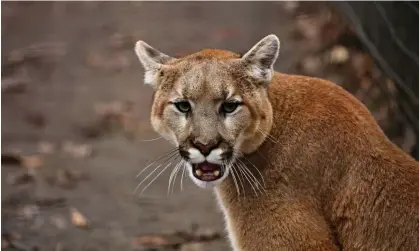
[
  {"x": 198, "y": 172},
  {"x": 216, "y": 172}
]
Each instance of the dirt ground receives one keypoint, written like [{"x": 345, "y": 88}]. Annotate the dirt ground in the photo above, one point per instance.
[{"x": 74, "y": 106}]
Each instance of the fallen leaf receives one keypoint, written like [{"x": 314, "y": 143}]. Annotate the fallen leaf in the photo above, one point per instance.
[
  {"x": 78, "y": 220},
  {"x": 120, "y": 41},
  {"x": 311, "y": 65},
  {"x": 16, "y": 56},
  {"x": 205, "y": 234},
  {"x": 290, "y": 6},
  {"x": 159, "y": 240},
  {"x": 58, "y": 221},
  {"x": 33, "y": 161},
  {"x": 181, "y": 54},
  {"x": 20, "y": 178},
  {"x": 11, "y": 158},
  {"x": 36, "y": 119},
  {"x": 91, "y": 130},
  {"x": 114, "y": 62},
  {"x": 7, "y": 238},
  {"x": 44, "y": 50},
  {"x": 14, "y": 84},
  {"x": 335, "y": 78},
  {"x": 364, "y": 87},
  {"x": 391, "y": 86},
  {"x": 77, "y": 150},
  {"x": 94, "y": 59},
  {"x": 78, "y": 175},
  {"x": 152, "y": 240},
  {"x": 225, "y": 33},
  {"x": 4, "y": 243},
  {"x": 339, "y": 55},
  {"x": 111, "y": 108},
  {"x": 362, "y": 64},
  {"x": 46, "y": 147},
  {"x": 59, "y": 247},
  {"x": 193, "y": 246},
  {"x": 65, "y": 179},
  {"x": 51, "y": 202},
  {"x": 82, "y": 151},
  {"x": 29, "y": 211},
  {"x": 308, "y": 27}
]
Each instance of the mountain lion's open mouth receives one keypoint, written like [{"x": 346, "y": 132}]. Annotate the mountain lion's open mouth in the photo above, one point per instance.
[{"x": 206, "y": 171}]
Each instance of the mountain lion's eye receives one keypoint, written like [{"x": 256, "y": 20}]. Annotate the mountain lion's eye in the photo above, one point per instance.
[
  {"x": 229, "y": 107},
  {"x": 183, "y": 106}
]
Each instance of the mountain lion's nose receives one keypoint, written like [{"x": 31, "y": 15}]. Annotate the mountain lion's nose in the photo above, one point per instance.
[{"x": 205, "y": 149}]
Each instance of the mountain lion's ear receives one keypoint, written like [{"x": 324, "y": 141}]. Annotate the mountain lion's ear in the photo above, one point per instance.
[
  {"x": 152, "y": 61},
  {"x": 260, "y": 59}
]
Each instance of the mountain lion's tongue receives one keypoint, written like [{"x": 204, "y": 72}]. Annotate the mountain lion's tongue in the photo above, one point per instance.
[
  {"x": 208, "y": 167},
  {"x": 207, "y": 171}
]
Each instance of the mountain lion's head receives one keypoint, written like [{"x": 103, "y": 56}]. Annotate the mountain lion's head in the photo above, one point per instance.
[{"x": 213, "y": 105}]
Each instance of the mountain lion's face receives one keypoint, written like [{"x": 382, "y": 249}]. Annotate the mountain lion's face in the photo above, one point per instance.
[{"x": 212, "y": 105}]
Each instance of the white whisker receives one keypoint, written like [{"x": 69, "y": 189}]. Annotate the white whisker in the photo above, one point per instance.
[
  {"x": 136, "y": 188},
  {"x": 149, "y": 140},
  {"x": 257, "y": 183},
  {"x": 169, "y": 155},
  {"x": 181, "y": 178},
  {"x": 247, "y": 178},
  {"x": 260, "y": 174},
  {"x": 234, "y": 179},
  {"x": 268, "y": 136},
  {"x": 239, "y": 177},
  {"x": 155, "y": 178},
  {"x": 176, "y": 172},
  {"x": 171, "y": 177}
]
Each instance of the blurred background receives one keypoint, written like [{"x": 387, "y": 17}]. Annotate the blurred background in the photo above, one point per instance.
[{"x": 75, "y": 113}]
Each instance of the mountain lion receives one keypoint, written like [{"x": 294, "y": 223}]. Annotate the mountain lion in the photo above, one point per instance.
[{"x": 297, "y": 163}]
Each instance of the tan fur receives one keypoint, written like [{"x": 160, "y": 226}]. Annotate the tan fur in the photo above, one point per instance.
[{"x": 333, "y": 180}]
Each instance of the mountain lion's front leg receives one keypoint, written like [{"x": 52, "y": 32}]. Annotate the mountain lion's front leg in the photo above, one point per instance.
[{"x": 289, "y": 228}]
